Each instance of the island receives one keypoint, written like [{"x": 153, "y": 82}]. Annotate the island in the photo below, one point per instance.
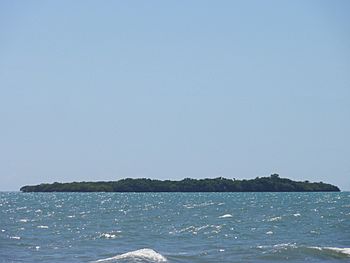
[{"x": 272, "y": 183}]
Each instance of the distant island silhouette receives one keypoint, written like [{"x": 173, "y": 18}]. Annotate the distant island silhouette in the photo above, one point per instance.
[{"x": 272, "y": 183}]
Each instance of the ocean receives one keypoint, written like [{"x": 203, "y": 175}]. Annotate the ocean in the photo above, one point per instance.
[{"x": 174, "y": 227}]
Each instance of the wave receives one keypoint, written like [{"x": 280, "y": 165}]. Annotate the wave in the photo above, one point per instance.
[
  {"x": 195, "y": 230},
  {"x": 290, "y": 250},
  {"x": 344, "y": 250},
  {"x": 190, "y": 206},
  {"x": 45, "y": 227},
  {"x": 144, "y": 254},
  {"x": 226, "y": 216},
  {"x": 272, "y": 219},
  {"x": 110, "y": 235}
]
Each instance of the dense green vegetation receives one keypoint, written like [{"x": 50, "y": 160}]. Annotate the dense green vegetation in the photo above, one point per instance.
[{"x": 263, "y": 184}]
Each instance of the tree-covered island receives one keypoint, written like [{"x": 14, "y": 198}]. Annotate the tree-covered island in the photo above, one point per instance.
[{"x": 272, "y": 183}]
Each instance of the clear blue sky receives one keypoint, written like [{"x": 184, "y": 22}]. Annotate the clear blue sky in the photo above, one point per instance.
[{"x": 103, "y": 90}]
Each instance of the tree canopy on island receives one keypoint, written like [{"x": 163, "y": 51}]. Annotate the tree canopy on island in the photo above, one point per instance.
[{"x": 272, "y": 183}]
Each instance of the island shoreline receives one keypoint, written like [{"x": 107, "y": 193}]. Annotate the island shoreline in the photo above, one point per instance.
[{"x": 273, "y": 183}]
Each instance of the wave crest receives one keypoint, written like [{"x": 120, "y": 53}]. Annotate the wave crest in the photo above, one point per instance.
[
  {"x": 226, "y": 216},
  {"x": 291, "y": 250},
  {"x": 344, "y": 251},
  {"x": 145, "y": 254}
]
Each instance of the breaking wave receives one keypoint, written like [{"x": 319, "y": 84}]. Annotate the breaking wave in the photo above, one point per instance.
[
  {"x": 272, "y": 219},
  {"x": 334, "y": 250},
  {"x": 141, "y": 255},
  {"x": 226, "y": 216},
  {"x": 291, "y": 250},
  {"x": 110, "y": 235}
]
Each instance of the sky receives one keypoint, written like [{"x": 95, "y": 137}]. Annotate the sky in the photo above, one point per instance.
[{"x": 104, "y": 90}]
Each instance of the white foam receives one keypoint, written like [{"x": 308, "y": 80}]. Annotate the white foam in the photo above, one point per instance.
[
  {"x": 23, "y": 220},
  {"x": 277, "y": 218},
  {"x": 190, "y": 206},
  {"x": 285, "y": 245},
  {"x": 15, "y": 237},
  {"x": 187, "y": 229},
  {"x": 110, "y": 235},
  {"x": 146, "y": 254},
  {"x": 296, "y": 214},
  {"x": 226, "y": 216},
  {"x": 269, "y": 233},
  {"x": 44, "y": 227},
  {"x": 202, "y": 227},
  {"x": 344, "y": 250}
]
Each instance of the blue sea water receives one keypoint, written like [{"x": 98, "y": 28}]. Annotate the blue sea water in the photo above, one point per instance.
[{"x": 174, "y": 227}]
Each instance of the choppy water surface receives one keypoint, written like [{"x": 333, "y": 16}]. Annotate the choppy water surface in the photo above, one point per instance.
[{"x": 174, "y": 227}]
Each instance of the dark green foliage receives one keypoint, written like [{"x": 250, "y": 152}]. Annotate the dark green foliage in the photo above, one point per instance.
[{"x": 260, "y": 184}]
